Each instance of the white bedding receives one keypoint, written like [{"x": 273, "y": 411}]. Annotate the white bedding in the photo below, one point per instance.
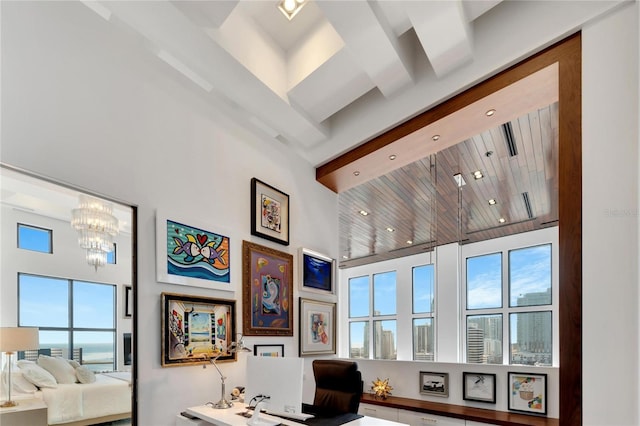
[{"x": 74, "y": 402}]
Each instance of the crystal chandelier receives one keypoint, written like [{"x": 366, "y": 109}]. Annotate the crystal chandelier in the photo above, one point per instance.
[{"x": 97, "y": 227}]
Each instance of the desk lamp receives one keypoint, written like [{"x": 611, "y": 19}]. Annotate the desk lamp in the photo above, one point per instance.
[
  {"x": 12, "y": 340},
  {"x": 234, "y": 347}
]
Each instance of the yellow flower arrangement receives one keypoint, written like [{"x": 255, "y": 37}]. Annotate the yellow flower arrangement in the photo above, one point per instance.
[{"x": 381, "y": 388}]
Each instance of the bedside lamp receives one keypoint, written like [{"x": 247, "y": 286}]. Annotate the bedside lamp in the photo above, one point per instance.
[
  {"x": 234, "y": 347},
  {"x": 13, "y": 339}
]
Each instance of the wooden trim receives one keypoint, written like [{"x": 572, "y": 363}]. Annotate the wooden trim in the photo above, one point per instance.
[
  {"x": 567, "y": 54},
  {"x": 481, "y": 415}
]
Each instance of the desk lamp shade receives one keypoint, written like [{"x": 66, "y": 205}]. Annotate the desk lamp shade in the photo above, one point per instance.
[{"x": 13, "y": 339}]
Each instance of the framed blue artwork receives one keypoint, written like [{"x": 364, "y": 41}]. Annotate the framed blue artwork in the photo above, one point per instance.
[{"x": 317, "y": 272}]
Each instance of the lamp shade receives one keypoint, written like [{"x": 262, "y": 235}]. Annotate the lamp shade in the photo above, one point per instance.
[{"x": 14, "y": 339}]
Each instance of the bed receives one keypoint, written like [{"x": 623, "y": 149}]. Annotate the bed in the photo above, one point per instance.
[
  {"x": 85, "y": 398},
  {"x": 107, "y": 399}
]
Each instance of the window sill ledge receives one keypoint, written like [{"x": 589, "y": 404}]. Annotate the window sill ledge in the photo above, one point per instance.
[{"x": 461, "y": 412}]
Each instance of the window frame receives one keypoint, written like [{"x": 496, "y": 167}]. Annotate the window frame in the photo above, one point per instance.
[
  {"x": 37, "y": 228},
  {"x": 70, "y": 329}
]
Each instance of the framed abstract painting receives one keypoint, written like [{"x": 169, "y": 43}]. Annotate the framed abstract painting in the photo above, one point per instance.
[
  {"x": 317, "y": 327},
  {"x": 196, "y": 329},
  {"x": 190, "y": 254},
  {"x": 269, "y": 212},
  {"x": 528, "y": 392},
  {"x": 267, "y": 291},
  {"x": 316, "y": 272}
]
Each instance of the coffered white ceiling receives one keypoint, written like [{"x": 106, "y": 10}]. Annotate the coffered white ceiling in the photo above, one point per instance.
[{"x": 340, "y": 72}]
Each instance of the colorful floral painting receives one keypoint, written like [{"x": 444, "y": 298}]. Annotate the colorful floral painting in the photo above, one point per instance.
[{"x": 527, "y": 392}]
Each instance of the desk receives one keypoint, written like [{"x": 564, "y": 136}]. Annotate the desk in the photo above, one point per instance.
[{"x": 230, "y": 417}]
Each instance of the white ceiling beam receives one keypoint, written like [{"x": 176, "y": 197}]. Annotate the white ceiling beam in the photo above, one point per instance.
[
  {"x": 206, "y": 14},
  {"x": 371, "y": 42},
  {"x": 444, "y": 32},
  {"x": 167, "y": 29}
]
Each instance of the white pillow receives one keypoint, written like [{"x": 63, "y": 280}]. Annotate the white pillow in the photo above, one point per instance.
[
  {"x": 37, "y": 375},
  {"x": 18, "y": 383},
  {"x": 73, "y": 363},
  {"x": 59, "y": 368},
  {"x": 85, "y": 375}
]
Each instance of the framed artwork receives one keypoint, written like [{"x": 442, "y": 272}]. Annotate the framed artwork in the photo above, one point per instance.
[
  {"x": 528, "y": 392},
  {"x": 317, "y": 327},
  {"x": 479, "y": 387},
  {"x": 128, "y": 301},
  {"x": 195, "y": 329},
  {"x": 267, "y": 291},
  {"x": 435, "y": 384},
  {"x": 316, "y": 272},
  {"x": 269, "y": 212},
  {"x": 268, "y": 350},
  {"x": 189, "y": 254},
  {"x": 126, "y": 345}
]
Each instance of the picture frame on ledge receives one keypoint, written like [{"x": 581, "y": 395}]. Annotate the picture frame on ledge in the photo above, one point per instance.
[
  {"x": 269, "y": 212},
  {"x": 188, "y": 253},
  {"x": 128, "y": 301},
  {"x": 479, "y": 387},
  {"x": 527, "y": 392},
  {"x": 196, "y": 329},
  {"x": 317, "y": 272},
  {"x": 269, "y": 350},
  {"x": 267, "y": 291},
  {"x": 434, "y": 384},
  {"x": 317, "y": 327}
]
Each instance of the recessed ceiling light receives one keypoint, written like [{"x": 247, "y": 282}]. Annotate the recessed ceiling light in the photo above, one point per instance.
[
  {"x": 478, "y": 174},
  {"x": 356, "y": 173},
  {"x": 490, "y": 112},
  {"x": 492, "y": 202},
  {"x": 290, "y": 8},
  {"x": 435, "y": 137},
  {"x": 390, "y": 229},
  {"x": 392, "y": 157},
  {"x": 502, "y": 220},
  {"x": 459, "y": 180},
  {"x": 409, "y": 242},
  {"x": 363, "y": 213}
]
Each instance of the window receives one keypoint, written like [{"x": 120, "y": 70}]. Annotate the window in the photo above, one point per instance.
[
  {"x": 373, "y": 319},
  {"x": 423, "y": 300},
  {"x": 34, "y": 238},
  {"x": 83, "y": 316},
  {"x": 111, "y": 256},
  {"x": 529, "y": 314}
]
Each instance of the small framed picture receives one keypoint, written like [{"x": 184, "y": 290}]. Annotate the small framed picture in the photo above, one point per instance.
[
  {"x": 435, "y": 384},
  {"x": 317, "y": 327},
  {"x": 479, "y": 387},
  {"x": 128, "y": 301},
  {"x": 269, "y": 212},
  {"x": 316, "y": 272},
  {"x": 268, "y": 350},
  {"x": 528, "y": 392}
]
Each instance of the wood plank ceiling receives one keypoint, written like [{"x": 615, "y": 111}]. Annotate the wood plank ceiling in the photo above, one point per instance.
[{"x": 422, "y": 203}]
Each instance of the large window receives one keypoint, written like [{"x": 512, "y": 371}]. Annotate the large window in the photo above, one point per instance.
[
  {"x": 78, "y": 314},
  {"x": 423, "y": 302},
  {"x": 372, "y": 316},
  {"x": 525, "y": 323}
]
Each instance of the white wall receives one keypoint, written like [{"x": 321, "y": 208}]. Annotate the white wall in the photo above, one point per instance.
[
  {"x": 82, "y": 103},
  {"x": 72, "y": 86},
  {"x": 610, "y": 220}
]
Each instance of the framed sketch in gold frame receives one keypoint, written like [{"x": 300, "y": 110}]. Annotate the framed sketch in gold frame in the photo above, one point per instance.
[
  {"x": 317, "y": 327},
  {"x": 267, "y": 291},
  {"x": 196, "y": 329}
]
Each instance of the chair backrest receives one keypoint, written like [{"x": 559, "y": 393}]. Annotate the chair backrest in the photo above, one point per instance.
[{"x": 338, "y": 386}]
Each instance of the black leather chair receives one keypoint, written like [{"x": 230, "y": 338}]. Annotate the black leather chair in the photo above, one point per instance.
[{"x": 338, "y": 387}]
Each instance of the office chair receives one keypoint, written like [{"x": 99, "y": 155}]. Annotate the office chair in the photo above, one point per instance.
[{"x": 338, "y": 387}]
